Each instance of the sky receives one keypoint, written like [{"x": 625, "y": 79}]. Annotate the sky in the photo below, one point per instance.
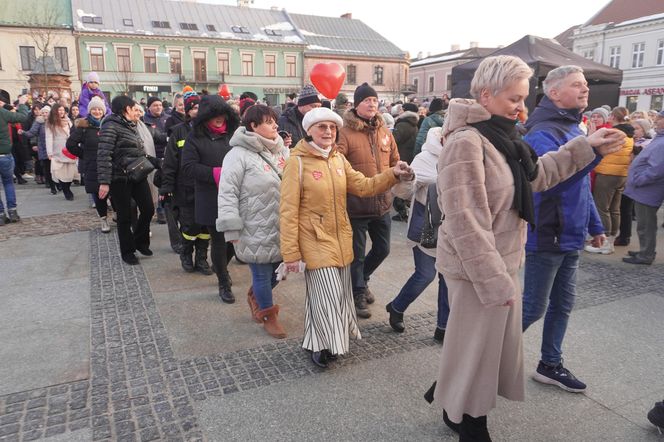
[{"x": 434, "y": 25}]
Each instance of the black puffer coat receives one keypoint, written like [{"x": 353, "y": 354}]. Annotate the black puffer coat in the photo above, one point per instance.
[
  {"x": 173, "y": 180},
  {"x": 291, "y": 122},
  {"x": 119, "y": 145},
  {"x": 405, "y": 134},
  {"x": 172, "y": 121},
  {"x": 83, "y": 142},
  {"x": 204, "y": 151}
]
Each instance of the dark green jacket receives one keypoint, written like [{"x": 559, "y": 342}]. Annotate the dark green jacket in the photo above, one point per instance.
[{"x": 6, "y": 118}]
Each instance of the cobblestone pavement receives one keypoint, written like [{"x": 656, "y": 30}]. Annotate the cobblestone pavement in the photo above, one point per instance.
[
  {"x": 51, "y": 224},
  {"x": 139, "y": 391}
]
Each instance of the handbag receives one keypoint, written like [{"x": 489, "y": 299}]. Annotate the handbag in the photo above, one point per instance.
[
  {"x": 138, "y": 169},
  {"x": 433, "y": 218}
]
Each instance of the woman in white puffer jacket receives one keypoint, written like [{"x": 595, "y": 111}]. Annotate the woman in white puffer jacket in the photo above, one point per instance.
[{"x": 248, "y": 207}]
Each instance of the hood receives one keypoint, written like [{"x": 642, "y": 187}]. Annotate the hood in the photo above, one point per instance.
[
  {"x": 462, "y": 112},
  {"x": 214, "y": 106},
  {"x": 251, "y": 141},
  {"x": 628, "y": 129},
  {"x": 547, "y": 111},
  {"x": 433, "y": 142},
  {"x": 409, "y": 116},
  {"x": 81, "y": 123},
  {"x": 353, "y": 122}
]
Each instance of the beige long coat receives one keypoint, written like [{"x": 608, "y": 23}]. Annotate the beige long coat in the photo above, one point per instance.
[{"x": 480, "y": 250}]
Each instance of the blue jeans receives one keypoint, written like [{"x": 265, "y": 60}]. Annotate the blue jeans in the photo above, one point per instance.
[
  {"x": 425, "y": 273},
  {"x": 550, "y": 277},
  {"x": 7, "y": 177},
  {"x": 263, "y": 280},
  {"x": 363, "y": 266}
]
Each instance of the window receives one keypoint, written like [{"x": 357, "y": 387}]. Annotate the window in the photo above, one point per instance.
[
  {"x": 431, "y": 84},
  {"x": 273, "y": 32},
  {"x": 631, "y": 102},
  {"x": 96, "y": 58},
  {"x": 351, "y": 72},
  {"x": 175, "y": 61},
  {"x": 291, "y": 66},
  {"x": 239, "y": 29},
  {"x": 416, "y": 83},
  {"x": 614, "y": 57},
  {"x": 449, "y": 82},
  {"x": 128, "y": 22},
  {"x": 161, "y": 24},
  {"x": 660, "y": 54},
  {"x": 248, "y": 64},
  {"x": 189, "y": 26},
  {"x": 28, "y": 57},
  {"x": 378, "y": 75},
  {"x": 656, "y": 102},
  {"x": 270, "y": 65},
  {"x": 589, "y": 54},
  {"x": 638, "y": 52},
  {"x": 200, "y": 68},
  {"x": 224, "y": 63},
  {"x": 211, "y": 28},
  {"x": 61, "y": 58},
  {"x": 92, "y": 20},
  {"x": 150, "y": 60},
  {"x": 124, "y": 59}
]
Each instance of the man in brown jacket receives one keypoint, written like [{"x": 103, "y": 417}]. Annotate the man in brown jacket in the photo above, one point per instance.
[{"x": 370, "y": 148}]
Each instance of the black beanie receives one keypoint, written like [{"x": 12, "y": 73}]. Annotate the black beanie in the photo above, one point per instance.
[
  {"x": 412, "y": 107},
  {"x": 436, "y": 105},
  {"x": 152, "y": 100},
  {"x": 4, "y": 96},
  {"x": 363, "y": 91}
]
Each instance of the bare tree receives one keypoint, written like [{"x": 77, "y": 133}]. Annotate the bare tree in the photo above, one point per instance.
[
  {"x": 394, "y": 84},
  {"x": 125, "y": 79}
]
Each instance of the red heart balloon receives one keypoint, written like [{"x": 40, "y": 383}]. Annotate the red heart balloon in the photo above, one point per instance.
[
  {"x": 224, "y": 92},
  {"x": 328, "y": 78}
]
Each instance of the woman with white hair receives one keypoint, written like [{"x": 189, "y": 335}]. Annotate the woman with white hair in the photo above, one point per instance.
[
  {"x": 315, "y": 230},
  {"x": 486, "y": 177}
]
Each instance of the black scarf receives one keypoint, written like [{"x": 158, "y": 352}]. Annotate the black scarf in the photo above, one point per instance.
[{"x": 521, "y": 158}]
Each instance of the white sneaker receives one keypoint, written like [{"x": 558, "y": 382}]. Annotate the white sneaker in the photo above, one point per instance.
[
  {"x": 105, "y": 228},
  {"x": 27, "y": 176}
]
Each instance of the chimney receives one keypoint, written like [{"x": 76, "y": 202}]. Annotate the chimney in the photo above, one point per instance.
[
  {"x": 455, "y": 47},
  {"x": 474, "y": 44},
  {"x": 244, "y": 3},
  {"x": 274, "y": 8},
  {"x": 348, "y": 15},
  {"x": 420, "y": 54}
]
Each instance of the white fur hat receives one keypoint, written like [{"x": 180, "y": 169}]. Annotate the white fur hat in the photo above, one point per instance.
[{"x": 319, "y": 114}]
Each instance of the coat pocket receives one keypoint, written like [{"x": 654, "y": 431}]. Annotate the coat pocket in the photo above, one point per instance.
[{"x": 319, "y": 228}]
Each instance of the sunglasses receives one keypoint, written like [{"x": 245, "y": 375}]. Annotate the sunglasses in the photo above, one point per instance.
[{"x": 325, "y": 127}]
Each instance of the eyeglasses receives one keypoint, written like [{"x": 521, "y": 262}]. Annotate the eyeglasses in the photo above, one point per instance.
[{"x": 325, "y": 127}]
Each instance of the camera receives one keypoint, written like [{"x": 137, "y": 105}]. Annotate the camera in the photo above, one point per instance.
[{"x": 284, "y": 134}]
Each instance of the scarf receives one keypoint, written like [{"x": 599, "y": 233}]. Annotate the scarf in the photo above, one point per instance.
[
  {"x": 520, "y": 157},
  {"x": 93, "y": 121},
  {"x": 369, "y": 122},
  {"x": 272, "y": 145},
  {"x": 214, "y": 130},
  {"x": 325, "y": 153}
]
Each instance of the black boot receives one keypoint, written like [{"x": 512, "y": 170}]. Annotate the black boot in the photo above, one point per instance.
[
  {"x": 473, "y": 429},
  {"x": 396, "y": 319},
  {"x": 201, "y": 265},
  {"x": 226, "y": 294},
  {"x": 361, "y": 308},
  {"x": 185, "y": 256}
]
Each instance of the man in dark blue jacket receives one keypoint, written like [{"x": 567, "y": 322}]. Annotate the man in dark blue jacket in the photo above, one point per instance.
[{"x": 564, "y": 215}]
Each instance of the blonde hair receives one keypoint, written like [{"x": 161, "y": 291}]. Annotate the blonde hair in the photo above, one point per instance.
[{"x": 496, "y": 73}]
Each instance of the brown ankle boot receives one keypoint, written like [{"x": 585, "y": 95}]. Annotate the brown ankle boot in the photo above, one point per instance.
[
  {"x": 269, "y": 319},
  {"x": 253, "y": 305}
]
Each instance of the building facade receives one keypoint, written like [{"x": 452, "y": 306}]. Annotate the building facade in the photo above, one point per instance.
[
  {"x": 634, "y": 45},
  {"x": 431, "y": 76},
  {"x": 38, "y": 51}
]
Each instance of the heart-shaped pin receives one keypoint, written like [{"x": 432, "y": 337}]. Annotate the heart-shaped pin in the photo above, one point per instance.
[{"x": 328, "y": 78}]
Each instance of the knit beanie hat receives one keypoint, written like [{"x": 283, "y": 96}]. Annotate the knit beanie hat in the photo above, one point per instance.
[
  {"x": 321, "y": 114},
  {"x": 4, "y": 96},
  {"x": 152, "y": 100},
  {"x": 249, "y": 94},
  {"x": 363, "y": 91},
  {"x": 341, "y": 100},
  {"x": 601, "y": 111},
  {"x": 190, "y": 97},
  {"x": 97, "y": 103},
  {"x": 92, "y": 77},
  {"x": 436, "y": 105},
  {"x": 412, "y": 107},
  {"x": 246, "y": 103},
  {"x": 307, "y": 95}
]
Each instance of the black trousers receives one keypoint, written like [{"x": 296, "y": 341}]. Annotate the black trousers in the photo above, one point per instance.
[
  {"x": 219, "y": 257},
  {"x": 626, "y": 212},
  {"x": 122, "y": 192},
  {"x": 46, "y": 168}
]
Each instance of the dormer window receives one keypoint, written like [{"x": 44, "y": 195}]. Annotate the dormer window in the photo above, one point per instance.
[
  {"x": 189, "y": 26},
  {"x": 128, "y": 22},
  {"x": 239, "y": 29},
  {"x": 273, "y": 32},
  {"x": 92, "y": 20},
  {"x": 211, "y": 28},
  {"x": 161, "y": 24}
]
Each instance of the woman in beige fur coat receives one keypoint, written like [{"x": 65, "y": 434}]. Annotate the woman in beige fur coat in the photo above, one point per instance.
[{"x": 485, "y": 182}]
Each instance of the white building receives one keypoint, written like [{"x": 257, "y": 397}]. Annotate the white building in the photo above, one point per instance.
[{"x": 634, "y": 45}]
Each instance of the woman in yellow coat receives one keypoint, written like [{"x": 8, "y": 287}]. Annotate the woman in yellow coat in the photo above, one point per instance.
[{"x": 315, "y": 230}]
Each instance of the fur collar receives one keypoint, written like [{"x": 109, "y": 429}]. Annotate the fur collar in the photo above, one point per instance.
[
  {"x": 409, "y": 115},
  {"x": 463, "y": 112},
  {"x": 81, "y": 123},
  {"x": 352, "y": 122}
]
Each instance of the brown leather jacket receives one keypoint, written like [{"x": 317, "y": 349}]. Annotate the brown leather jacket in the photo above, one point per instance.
[{"x": 370, "y": 149}]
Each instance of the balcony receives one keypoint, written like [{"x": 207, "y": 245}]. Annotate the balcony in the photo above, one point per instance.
[{"x": 408, "y": 89}]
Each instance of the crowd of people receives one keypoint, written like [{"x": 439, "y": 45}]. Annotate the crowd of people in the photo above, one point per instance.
[{"x": 299, "y": 188}]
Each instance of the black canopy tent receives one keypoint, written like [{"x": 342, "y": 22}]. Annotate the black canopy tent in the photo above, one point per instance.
[{"x": 544, "y": 55}]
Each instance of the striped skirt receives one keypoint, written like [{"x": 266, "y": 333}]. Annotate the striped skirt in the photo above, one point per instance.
[{"x": 329, "y": 317}]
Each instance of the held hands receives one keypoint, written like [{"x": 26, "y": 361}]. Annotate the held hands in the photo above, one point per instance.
[
  {"x": 293, "y": 267},
  {"x": 606, "y": 141},
  {"x": 598, "y": 240},
  {"x": 403, "y": 171},
  {"x": 103, "y": 190}
]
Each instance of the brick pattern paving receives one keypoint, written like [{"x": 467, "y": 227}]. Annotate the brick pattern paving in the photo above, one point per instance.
[
  {"x": 67, "y": 222},
  {"x": 139, "y": 391}
]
